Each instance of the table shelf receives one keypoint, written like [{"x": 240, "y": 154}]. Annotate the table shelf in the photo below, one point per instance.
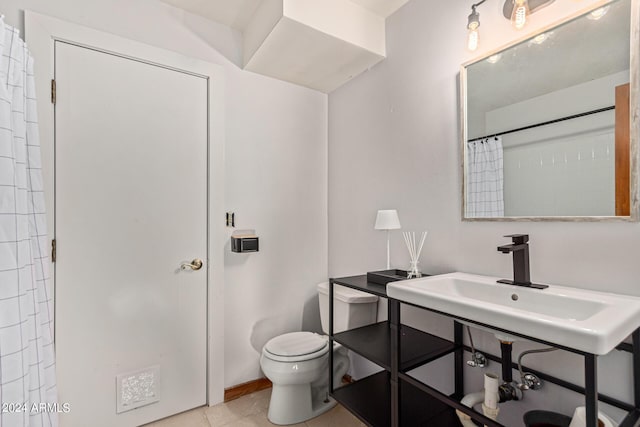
[
  {"x": 373, "y": 342},
  {"x": 370, "y": 400}
]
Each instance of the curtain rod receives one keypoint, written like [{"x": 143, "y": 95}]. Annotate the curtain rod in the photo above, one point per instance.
[{"x": 550, "y": 122}]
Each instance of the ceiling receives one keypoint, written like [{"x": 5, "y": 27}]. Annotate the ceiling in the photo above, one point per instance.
[
  {"x": 382, "y": 8},
  {"x": 237, "y": 13},
  {"x": 319, "y": 44},
  {"x": 232, "y": 13}
]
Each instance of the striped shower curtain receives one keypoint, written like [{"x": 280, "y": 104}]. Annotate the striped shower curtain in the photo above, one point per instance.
[{"x": 27, "y": 367}]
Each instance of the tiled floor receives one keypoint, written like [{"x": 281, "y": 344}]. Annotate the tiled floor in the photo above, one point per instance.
[{"x": 251, "y": 411}]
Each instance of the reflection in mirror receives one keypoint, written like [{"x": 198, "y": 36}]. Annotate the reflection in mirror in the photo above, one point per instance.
[{"x": 547, "y": 122}]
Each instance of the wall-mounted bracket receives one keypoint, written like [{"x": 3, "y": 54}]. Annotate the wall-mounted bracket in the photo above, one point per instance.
[{"x": 230, "y": 219}]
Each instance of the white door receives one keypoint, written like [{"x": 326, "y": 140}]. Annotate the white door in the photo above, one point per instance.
[{"x": 130, "y": 208}]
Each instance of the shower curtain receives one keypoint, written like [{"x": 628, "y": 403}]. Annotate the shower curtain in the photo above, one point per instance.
[
  {"x": 484, "y": 181},
  {"x": 27, "y": 367}
]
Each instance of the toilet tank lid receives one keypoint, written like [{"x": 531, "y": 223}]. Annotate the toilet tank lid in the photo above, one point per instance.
[{"x": 348, "y": 295}]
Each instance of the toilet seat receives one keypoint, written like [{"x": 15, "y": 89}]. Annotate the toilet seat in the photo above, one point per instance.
[{"x": 296, "y": 347}]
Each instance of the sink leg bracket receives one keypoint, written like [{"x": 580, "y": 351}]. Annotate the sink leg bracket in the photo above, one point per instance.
[
  {"x": 459, "y": 361},
  {"x": 394, "y": 326},
  {"x": 633, "y": 418},
  {"x": 636, "y": 367},
  {"x": 330, "y": 373},
  {"x": 591, "y": 389}
]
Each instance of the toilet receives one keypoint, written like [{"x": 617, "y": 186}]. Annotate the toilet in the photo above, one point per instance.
[{"x": 297, "y": 363}]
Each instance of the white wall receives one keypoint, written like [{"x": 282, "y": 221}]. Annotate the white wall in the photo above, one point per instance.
[
  {"x": 394, "y": 143},
  {"x": 276, "y": 166}
]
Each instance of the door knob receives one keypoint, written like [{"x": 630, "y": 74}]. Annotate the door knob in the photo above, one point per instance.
[{"x": 196, "y": 264}]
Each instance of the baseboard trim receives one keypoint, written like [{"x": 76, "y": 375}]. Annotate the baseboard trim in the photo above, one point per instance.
[
  {"x": 240, "y": 390},
  {"x": 249, "y": 387}
]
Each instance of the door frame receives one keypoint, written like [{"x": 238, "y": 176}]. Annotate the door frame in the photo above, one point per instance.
[{"x": 42, "y": 32}]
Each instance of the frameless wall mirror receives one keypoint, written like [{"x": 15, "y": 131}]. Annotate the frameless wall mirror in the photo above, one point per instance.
[{"x": 550, "y": 124}]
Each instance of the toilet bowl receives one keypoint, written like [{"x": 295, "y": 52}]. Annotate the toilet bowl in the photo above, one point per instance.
[{"x": 297, "y": 363}]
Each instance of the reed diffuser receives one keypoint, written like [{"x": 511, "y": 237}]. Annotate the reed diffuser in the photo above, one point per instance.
[{"x": 414, "y": 252}]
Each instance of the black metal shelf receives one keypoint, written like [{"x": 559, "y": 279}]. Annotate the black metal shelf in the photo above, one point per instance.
[
  {"x": 375, "y": 399},
  {"x": 369, "y": 399},
  {"x": 360, "y": 283},
  {"x": 374, "y": 343}
]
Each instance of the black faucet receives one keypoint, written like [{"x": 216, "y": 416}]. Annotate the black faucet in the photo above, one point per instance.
[{"x": 520, "y": 249}]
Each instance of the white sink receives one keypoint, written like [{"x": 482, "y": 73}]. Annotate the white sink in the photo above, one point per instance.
[{"x": 590, "y": 321}]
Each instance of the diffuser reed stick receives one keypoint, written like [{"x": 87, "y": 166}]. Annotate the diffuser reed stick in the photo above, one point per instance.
[{"x": 414, "y": 251}]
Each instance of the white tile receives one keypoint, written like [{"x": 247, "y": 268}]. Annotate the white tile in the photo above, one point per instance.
[
  {"x": 252, "y": 404},
  {"x": 251, "y": 411},
  {"x": 193, "y": 418},
  {"x": 336, "y": 417}
]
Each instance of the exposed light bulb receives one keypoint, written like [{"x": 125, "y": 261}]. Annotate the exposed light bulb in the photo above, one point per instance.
[
  {"x": 519, "y": 14},
  {"x": 472, "y": 39},
  {"x": 494, "y": 58},
  {"x": 598, "y": 13},
  {"x": 472, "y": 25}
]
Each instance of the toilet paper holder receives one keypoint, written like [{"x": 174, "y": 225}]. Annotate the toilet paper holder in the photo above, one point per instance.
[{"x": 245, "y": 241}]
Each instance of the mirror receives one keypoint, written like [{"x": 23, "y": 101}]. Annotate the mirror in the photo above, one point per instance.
[{"x": 546, "y": 123}]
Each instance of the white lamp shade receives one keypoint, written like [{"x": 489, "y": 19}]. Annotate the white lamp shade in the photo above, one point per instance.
[{"x": 387, "y": 220}]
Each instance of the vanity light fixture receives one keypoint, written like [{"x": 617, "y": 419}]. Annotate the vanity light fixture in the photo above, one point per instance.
[
  {"x": 517, "y": 11},
  {"x": 598, "y": 13},
  {"x": 473, "y": 23}
]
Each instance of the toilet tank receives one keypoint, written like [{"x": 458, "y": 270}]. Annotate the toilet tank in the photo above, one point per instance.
[{"x": 351, "y": 308}]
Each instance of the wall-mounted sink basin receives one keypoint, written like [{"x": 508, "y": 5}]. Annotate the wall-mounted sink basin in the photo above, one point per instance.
[{"x": 590, "y": 321}]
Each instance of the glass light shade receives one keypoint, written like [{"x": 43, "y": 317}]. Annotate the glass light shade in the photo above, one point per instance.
[
  {"x": 472, "y": 40},
  {"x": 519, "y": 14},
  {"x": 387, "y": 220}
]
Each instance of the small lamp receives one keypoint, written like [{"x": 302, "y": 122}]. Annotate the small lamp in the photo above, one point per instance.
[{"x": 387, "y": 220}]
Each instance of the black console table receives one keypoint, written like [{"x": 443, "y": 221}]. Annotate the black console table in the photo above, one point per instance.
[{"x": 394, "y": 398}]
